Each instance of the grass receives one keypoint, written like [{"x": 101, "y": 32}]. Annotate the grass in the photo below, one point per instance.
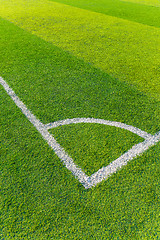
[
  {"x": 119, "y": 47},
  {"x": 56, "y": 85},
  {"x": 140, "y": 13},
  {"x": 155, "y": 3},
  {"x": 41, "y": 199},
  {"x": 93, "y": 146}
]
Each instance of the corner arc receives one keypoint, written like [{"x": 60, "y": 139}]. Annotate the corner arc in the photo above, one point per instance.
[{"x": 130, "y": 128}]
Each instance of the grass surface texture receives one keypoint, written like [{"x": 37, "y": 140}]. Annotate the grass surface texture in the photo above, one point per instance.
[{"x": 79, "y": 59}]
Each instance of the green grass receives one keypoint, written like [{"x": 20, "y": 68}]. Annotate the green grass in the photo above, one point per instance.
[
  {"x": 132, "y": 11},
  {"x": 93, "y": 146},
  {"x": 155, "y": 3},
  {"x": 40, "y": 198},
  {"x": 127, "y": 50},
  {"x": 56, "y": 85}
]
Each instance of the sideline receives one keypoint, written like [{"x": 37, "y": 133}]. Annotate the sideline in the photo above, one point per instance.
[{"x": 102, "y": 173}]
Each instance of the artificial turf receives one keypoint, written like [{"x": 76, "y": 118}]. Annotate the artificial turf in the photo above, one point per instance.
[
  {"x": 93, "y": 146},
  {"x": 154, "y": 3},
  {"x": 119, "y": 47},
  {"x": 41, "y": 199},
  {"x": 135, "y": 10}
]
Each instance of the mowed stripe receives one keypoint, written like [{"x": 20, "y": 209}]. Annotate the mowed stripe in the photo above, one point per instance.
[
  {"x": 41, "y": 199},
  {"x": 55, "y": 86},
  {"x": 127, "y": 50},
  {"x": 141, "y": 13},
  {"x": 155, "y": 3}
]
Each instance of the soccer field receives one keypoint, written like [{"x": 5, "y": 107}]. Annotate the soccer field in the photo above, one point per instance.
[{"x": 80, "y": 119}]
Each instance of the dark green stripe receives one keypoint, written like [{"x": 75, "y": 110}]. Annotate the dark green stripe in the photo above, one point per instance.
[
  {"x": 148, "y": 15},
  {"x": 57, "y": 85},
  {"x": 40, "y": 198}
]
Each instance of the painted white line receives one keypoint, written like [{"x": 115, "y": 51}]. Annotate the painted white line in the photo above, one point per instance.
[
  {"x": 130, "y": 128},
  {"x": 135, "y": 151},
  {"x": 102, "y": 173},
  {"x": 68, "y": 161}
]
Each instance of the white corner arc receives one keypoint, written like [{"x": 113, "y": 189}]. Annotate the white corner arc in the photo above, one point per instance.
[
  {"x": 130, "y": 128},
  {"x": 102, "y": 173}
]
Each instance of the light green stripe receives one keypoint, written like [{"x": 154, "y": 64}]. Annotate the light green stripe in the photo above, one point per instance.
[{"x": 127, "y": 50}]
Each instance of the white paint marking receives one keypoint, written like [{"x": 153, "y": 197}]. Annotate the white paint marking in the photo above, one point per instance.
[
  {"x": 130, "y": 128},
  {"x": 102, "y": 173}
]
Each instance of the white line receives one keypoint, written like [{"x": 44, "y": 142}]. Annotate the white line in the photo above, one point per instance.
[
  {"x": 68, "y": 161},
  {"x": 135, "y": 151},
  {"x": 102, "y": 173},
  {"x": 130, "y": 128}
]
